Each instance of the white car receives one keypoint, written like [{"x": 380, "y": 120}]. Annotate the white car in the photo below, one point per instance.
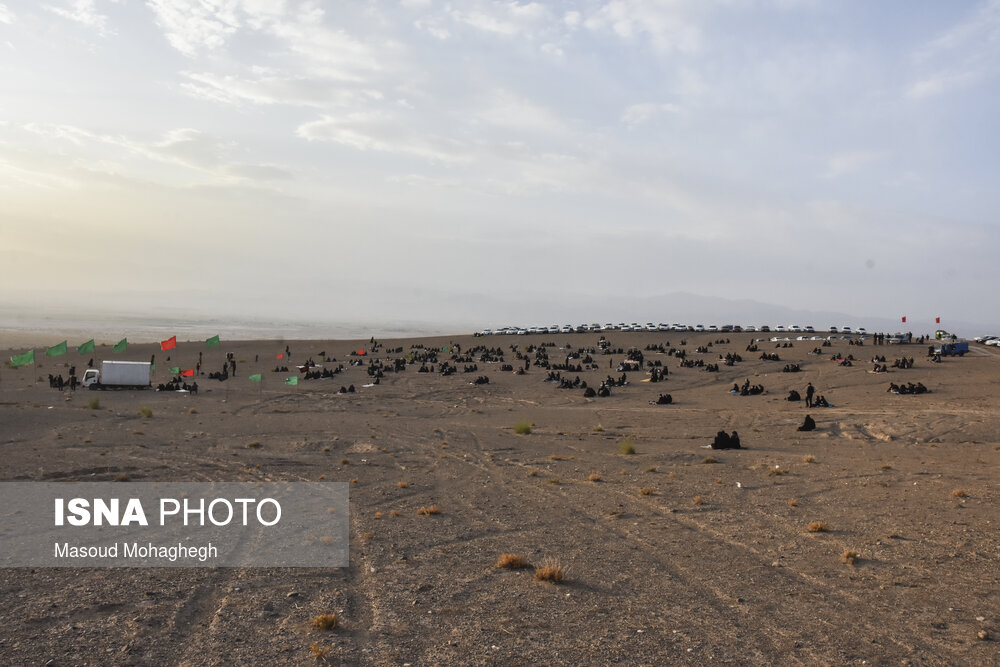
[
  {"x": 994, "y": 341},
  {"x": 810, "y": 330},
  {"x": 663, "y": 327},
  {"x": 780, "y": 328},
  {"x": 699, "y": 327},
  {"x": 751, "y": 328},
  {"x": 795, "y": 328},
  {"x": 713, "y": 328},
  {"x": 846, "y": 330}
]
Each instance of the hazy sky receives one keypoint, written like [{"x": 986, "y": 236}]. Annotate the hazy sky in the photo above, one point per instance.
[{"x": 320, "y": 159}]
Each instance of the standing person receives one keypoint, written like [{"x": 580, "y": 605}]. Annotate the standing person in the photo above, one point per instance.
[{"x": 810, "y": 390}]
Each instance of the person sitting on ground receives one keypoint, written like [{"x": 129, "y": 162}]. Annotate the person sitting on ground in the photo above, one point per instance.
[{"x": 808, "y": 425}]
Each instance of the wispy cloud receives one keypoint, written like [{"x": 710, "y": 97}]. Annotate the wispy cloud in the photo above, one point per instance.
[
  {"x": 960, "y": 57},
  {"x": 637, "y": 114},
  {"x": 6, "y": 16},
  {"x": 850, "y": 161},
  {"x": 83, "y": 12}
]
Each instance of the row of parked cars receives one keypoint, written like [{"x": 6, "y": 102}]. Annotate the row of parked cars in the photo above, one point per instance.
[
  {"x": 988, "y": 340},
  {"x": 649, "y": 326}
]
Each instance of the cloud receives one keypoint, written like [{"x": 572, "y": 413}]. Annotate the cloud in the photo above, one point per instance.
[
  {"x": 6, "y": 16},
  {"x": 507, "y": 19},
  {"x": 382, "y": 132},
  {"x": 961, "y": 56},
  {"x": 850, "y": 161},
  {"x": 83, "y": 12},
  {"x": 637, "y": 114},
  {"x": 670, "y": 26},
  {"x": 184, "y": 147},
  {"x": 269, "y": 88},
  {"x": 192, "y": 26}
]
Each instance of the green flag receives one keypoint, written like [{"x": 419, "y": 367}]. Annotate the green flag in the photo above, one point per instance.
[
  {"x": 213, "y": 341},
  {"x": 23, "y": 359},
  {"x": 56, "y": 350},
  {"x": 86, "y": 347},
  {"x": 294, "y": 380},
  {"x": 257, "y": 378},
  {"x": 120, "y": 346},
  {"x": 174, "y": 370}
]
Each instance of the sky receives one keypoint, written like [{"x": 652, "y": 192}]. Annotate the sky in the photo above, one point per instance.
[{"x": 485, "y": 163}]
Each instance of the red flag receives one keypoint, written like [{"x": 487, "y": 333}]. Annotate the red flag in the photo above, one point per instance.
[
  {"x": 281, "y": 355},
  {"x": 188, "y": 373},
  {"x": 937, "y": 320},
  {"x": 904, "y": 319},
  {"x": 361, "y": 353},
  {"x": 169, "y": 343}
]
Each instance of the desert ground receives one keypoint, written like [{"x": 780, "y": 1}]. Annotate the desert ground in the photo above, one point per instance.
[{"x": 672, "y": 554}]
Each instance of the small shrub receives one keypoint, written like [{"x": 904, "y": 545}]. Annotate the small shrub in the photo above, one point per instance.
[
  {"x": 368, "y": 535},
  {"x": 94, "y": 403},
  {"x": 598, "y": 428},
  {"x": 427, "y": 511},
  {"x": 512, "y": 562},
  {"x": 553, "y": 480},
  {"x": 551, "y": 571},
  {"x": 793, "y": 503},
  {"x": 651, "y": 469},
  {"x": 673, "y": 473},
  {"x": 777, "y": 471},
  {"x": 627, "y": 446},
  {"x": 394, "y": 513},
  {"x": 698, "y": 500},
  {"x": 252, "y": 445},
  {"x": 121, "y": 478},
  {"x": 646, "y": 491},
  {"x": 523, "y": 427},
  {"x": 959, "y": 493},
  {"x": 192, "y": 411},
  {"x": 319, "y": 652},
  {"x": 403, "y": 485},
  {"x": 818, "y": 527},
  {"x": 532, "y": 473},
  {"x": 378, "y": 515},
  {"x": 808, "y": 459},
  {"x": 848, "y": 557},
  {"x": 326, "y": 621},
  {"x": 345, "y": 462},
  {"x": 146, "y": 411},
  {"x": 718, "y": 480},
  {"x": 710, "y": 459},
  {"x": 594, "y": 477}
]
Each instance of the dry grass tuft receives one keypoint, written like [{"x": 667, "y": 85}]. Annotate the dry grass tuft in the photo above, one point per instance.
[
  {"x": 532, "y": 473},
  {"x": 793, "y": 503},
  {"x": 550, "y": 571},
  {"x": 886, "y": 467},
  {"x": 192, "y": 411},
  {"x": 394, "y": 513},
  {"x": 553, "y": 480},
  {"x": 369, "y": 535},
  {"x": 627, "y": 446},
  {"x": 598, "y": 428},
  {"x": 646, "y": 491},
  {"x": 378, "y": 515},
  {"x": 710, "y": 459},
  {"x": 512, "y": 562},
  {"x": 94, "y": 403},
  {"x": 326, "y": 621},
  {"x": 253, "y": 445},
  {"x": 673, "y": 473},
  {"x": 718, "y": 480},
  {"x": 818, "y": 527},
  {"x": 651, "y": 469},
  {"x": 523, "y": 427},
  {"x": 146, "y": 411},
  {"x": 121, "y": 478},
  {"x": 849, "y": 557},
  {"x": 808, "y": 459},
  {"x": 427, "y": 511},
  {"x": 777, "y": 471},
  {"x": 320, "y": 652},
  {"x": 403, "y": 485},
  {"x": 698, "y": 500},
  {"x": 959, "y": 493},
  {"x": 345, "y": 462},
  {"x": 594, "y": 477}
]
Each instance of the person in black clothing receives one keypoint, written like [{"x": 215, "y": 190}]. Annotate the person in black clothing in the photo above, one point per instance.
[
  {"x": 808, "y": 425},
  {"x": 810, "y": 390}
]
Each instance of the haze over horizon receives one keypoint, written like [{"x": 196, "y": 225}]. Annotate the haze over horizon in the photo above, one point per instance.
[{"x": 445, "y": 162}]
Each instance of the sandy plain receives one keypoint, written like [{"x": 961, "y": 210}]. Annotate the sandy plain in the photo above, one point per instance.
[{"x": 653, "y": 576}]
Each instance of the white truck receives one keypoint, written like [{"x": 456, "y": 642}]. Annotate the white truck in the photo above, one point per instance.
[{"x": 119, "y": 375}]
